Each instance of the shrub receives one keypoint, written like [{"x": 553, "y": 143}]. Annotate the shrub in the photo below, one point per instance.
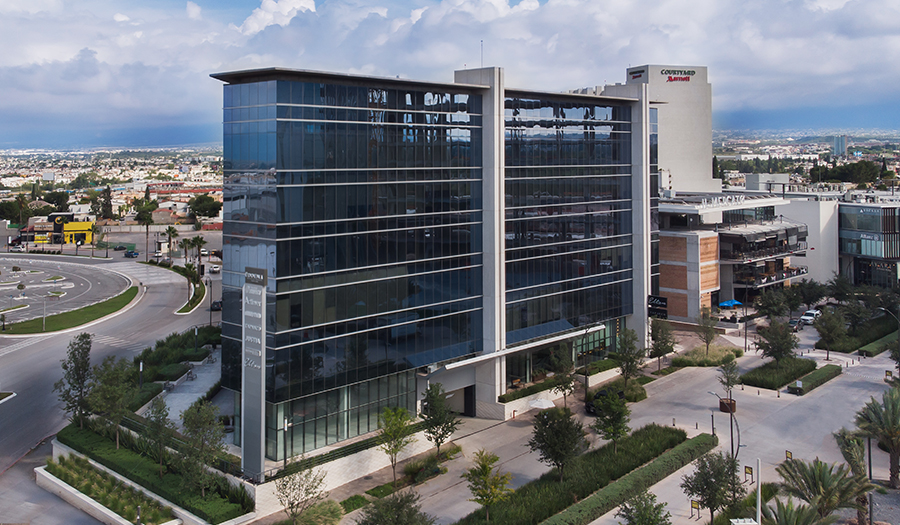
[
  {"x": 774, "y": 374},
  {"x": 598, "y": 366},
  {"x": 354, "y": 502},
  {"x": 538, "y": 500},
  {"x": 633, "y": 393},
  {"x": 633, "y": 483},
  {"x": 144, "y": 395},
  {"x": 172, "y": 371},
  {"x": 223, "y": 502},
  {"x": 815, "y": 378},
  {"x": 718, "y": 355},
  {"x": 872, "y": 330},
  {"x": 546, "y": 384},
  {"x": 881, "y": 345}
]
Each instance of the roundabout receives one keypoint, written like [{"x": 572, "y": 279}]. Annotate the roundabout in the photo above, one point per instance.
[{"x": 35, "y": 288}]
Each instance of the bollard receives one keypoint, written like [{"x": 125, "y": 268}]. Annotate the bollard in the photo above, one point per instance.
[
  {"x": 757, "y": 392},
  {"x": 514, "y": 414},
  {"x": 697, "y": 425},
  {"x": 742, "y": 387},
  {"x": 779, "y": 394},
  {"x": 673, "y": 421}
]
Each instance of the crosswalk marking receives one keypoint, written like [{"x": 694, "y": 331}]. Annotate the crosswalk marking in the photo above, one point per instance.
[
  {"x": 21, "y": 344},
  {"x": 115, "y": 342}
]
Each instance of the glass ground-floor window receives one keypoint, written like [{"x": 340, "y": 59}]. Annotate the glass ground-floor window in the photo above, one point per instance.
[
  {"x": 328, "y": 417},
  {"x": 883, "y": 274}
]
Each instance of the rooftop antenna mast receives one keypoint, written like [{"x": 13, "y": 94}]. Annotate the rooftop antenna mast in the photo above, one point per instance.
[{"x": 482, "y": 53}]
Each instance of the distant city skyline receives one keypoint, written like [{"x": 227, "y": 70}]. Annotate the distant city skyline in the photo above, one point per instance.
[{"x": 128, "y": 73}]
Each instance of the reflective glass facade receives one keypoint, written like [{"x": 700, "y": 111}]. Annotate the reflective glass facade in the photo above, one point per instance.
[
  {"x": 568, "y": 237},
  {"x": 363, "y": 202}
]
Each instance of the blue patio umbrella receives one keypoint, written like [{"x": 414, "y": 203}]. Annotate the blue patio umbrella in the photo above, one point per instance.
[{"x": 731, "y": 303}]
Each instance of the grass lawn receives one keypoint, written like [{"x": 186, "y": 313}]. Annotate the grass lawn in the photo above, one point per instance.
[
  {"x": 199, "y": 294},
  {"x": 76, "y": 317},
  {"x": 666, "y": 371},
  {"x": 4, "y": 395}
]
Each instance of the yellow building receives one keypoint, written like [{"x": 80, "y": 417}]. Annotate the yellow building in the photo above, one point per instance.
[{"x": 78, "y": 231}]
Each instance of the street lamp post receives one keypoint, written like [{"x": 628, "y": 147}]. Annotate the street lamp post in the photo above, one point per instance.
[
  {"x": 731, "y": 421},
  {"x": 107, "y": 243},
  {"x": 885, "y": 310},
  {"x": 209, "y": 293}
]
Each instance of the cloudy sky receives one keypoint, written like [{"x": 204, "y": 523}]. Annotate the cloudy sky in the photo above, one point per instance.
[{"x": 79, "y": 73}]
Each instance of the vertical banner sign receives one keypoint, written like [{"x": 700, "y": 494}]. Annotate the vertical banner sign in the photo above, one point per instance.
[{"x": 253, "y": 380}]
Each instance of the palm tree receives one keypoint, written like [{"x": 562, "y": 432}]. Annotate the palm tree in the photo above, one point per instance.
[
  {"x": 199, "y": 243},
  {"x": 171, "y": 234},
  {"x": 853, "y": 450},
  {"x": 22, "y": 204},
  {"x": 185, "y": 246},
  {"x": 882, "y": 422},
  {"x": 145, "y": 218},
  {"x": 788, "y": 514},
  {"x": 825, "y": 486}
]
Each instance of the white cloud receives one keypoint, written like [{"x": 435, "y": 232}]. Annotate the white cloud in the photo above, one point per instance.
[
  {"x": 274, "y": 12},
  {"x": 194, "y": 11},
  {"x": 119, "y": 17}
]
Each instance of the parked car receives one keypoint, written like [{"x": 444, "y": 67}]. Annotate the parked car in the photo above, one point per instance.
[
  {"x": 204, "y": 252},
  {"x": 120, "y": 248},
  {"x": 157, "y": 254},
  {"x": 214, "y": 268},
  {"x": 131, "y": 254},
  {"x": 19, "y": 249},
  {"x": 796, "y": 325},
  {"x": 216, "y": 306},
  {"x": 810, "y": 316}
]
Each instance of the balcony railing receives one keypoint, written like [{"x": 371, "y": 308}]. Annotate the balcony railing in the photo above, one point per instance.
[
  {"x": 770, "y": 278},
  {"x": 764, "y": 253}
]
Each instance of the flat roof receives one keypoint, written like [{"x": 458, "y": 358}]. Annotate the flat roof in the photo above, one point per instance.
[{"x": 279, "y": 73}]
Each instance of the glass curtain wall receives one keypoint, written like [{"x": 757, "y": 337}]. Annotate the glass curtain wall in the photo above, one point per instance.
[
  {"x": 568, "y": 214},
  {"x": 364, "y": 204}
]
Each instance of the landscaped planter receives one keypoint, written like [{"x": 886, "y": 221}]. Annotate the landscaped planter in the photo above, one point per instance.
[{"x": 727, "y": 405}]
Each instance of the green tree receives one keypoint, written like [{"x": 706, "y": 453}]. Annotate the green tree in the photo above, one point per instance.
[
  {"x": 159, "y": 429},
  {"x": 440, "y": 421},
  {"x": 144, "y": 217},
  {"x": 856, "y": 315},
  {"x": 629, "y": 354},
  {"x": 644, "y": 510},
  {"x": 792, "y": 299},
  {"x": 771, "y": 304},
  {"x": 612, "y": 419},
  {"x": 831, "y": 330},
  {"x": 557, "y": 437},
  {"x": 563, "y": 368},
  {"x": 59, "y": 199},
  {"x": 811, "y": 292},
  {"x": 74, "y": 386},
  {"x": 205, "y": 436},
  {"x": 777, "y": 341},
  {"x": 487, "y": 485},
  {"x": 400, "y": 508},
  {"x": 824, "y": 486},
  {"x": 853, "y": 449},
  {"x": 112, "y": 390},
  {"x": 729, "y": 377},
  {"x": 840, "y": 288},
  {"x": 714, "y": 483},
  {"x": 204, "y": 206},
  {"x": 663, "y": 340},
  {"x": 882, "y": 422},
  {"x": 106, "y": 206},
  {"x": 788, "y": 514},
  {"x": 301, "y": 491},
  {"x": 396, "y": 434},
  {"x": 706, "y": 327}
]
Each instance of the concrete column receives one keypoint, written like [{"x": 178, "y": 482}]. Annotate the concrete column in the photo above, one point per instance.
[{"x": 640, "y": 214}]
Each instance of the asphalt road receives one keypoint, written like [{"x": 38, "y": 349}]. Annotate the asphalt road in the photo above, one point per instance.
[{"x": 29, "y": 365}]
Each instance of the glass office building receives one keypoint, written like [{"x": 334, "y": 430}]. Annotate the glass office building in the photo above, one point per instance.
[{"x": 363, "y": 199}]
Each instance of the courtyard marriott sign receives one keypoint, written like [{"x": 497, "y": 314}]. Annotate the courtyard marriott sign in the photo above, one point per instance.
[
  {"x": 253, "y": 381},
  {"x": 678, "y": 75}
]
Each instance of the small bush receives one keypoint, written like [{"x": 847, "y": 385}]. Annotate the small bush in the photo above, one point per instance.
[
  {"x": 144, "y": 395},
  {"x": 815, "y": 378},
  {"x": 643, "y": 380},
  {"x": 718, "y": 355},
  {"x": 599, "y": 366},
  {"x": 633, "y": 393},
  {"x": 354, "y": 502},
  {"x": 546, "y": 384},
  {"x": 774, "y": 374},
  {"x": 881, "y": 345},
  {"x": 172, "y": 371}
]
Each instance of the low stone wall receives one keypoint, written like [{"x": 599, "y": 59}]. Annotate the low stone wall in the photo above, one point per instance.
[
  {"x": 184, "y": 516},
  {"x": 54, "y": 485},
  {"x": 602, "y": 377}
]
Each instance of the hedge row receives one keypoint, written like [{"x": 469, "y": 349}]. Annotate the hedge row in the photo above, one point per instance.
[
  {"x": 633, "y": 483},
  {"x": 683, "y": 361},
  {"x": 871, "y": 331},
  {"x": 542, "y": 498},
  {"x": 546, "y": 384},
  {"x": 215, "y": 508},
  {"x": 598, "y": 366},
  {"x": 876, "y": 347},
  {"x": 775, "y": 374},
  {"x": 815, "y": 378}
]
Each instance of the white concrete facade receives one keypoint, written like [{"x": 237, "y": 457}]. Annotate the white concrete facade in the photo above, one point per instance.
[{"x": 821, "y": 219}]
